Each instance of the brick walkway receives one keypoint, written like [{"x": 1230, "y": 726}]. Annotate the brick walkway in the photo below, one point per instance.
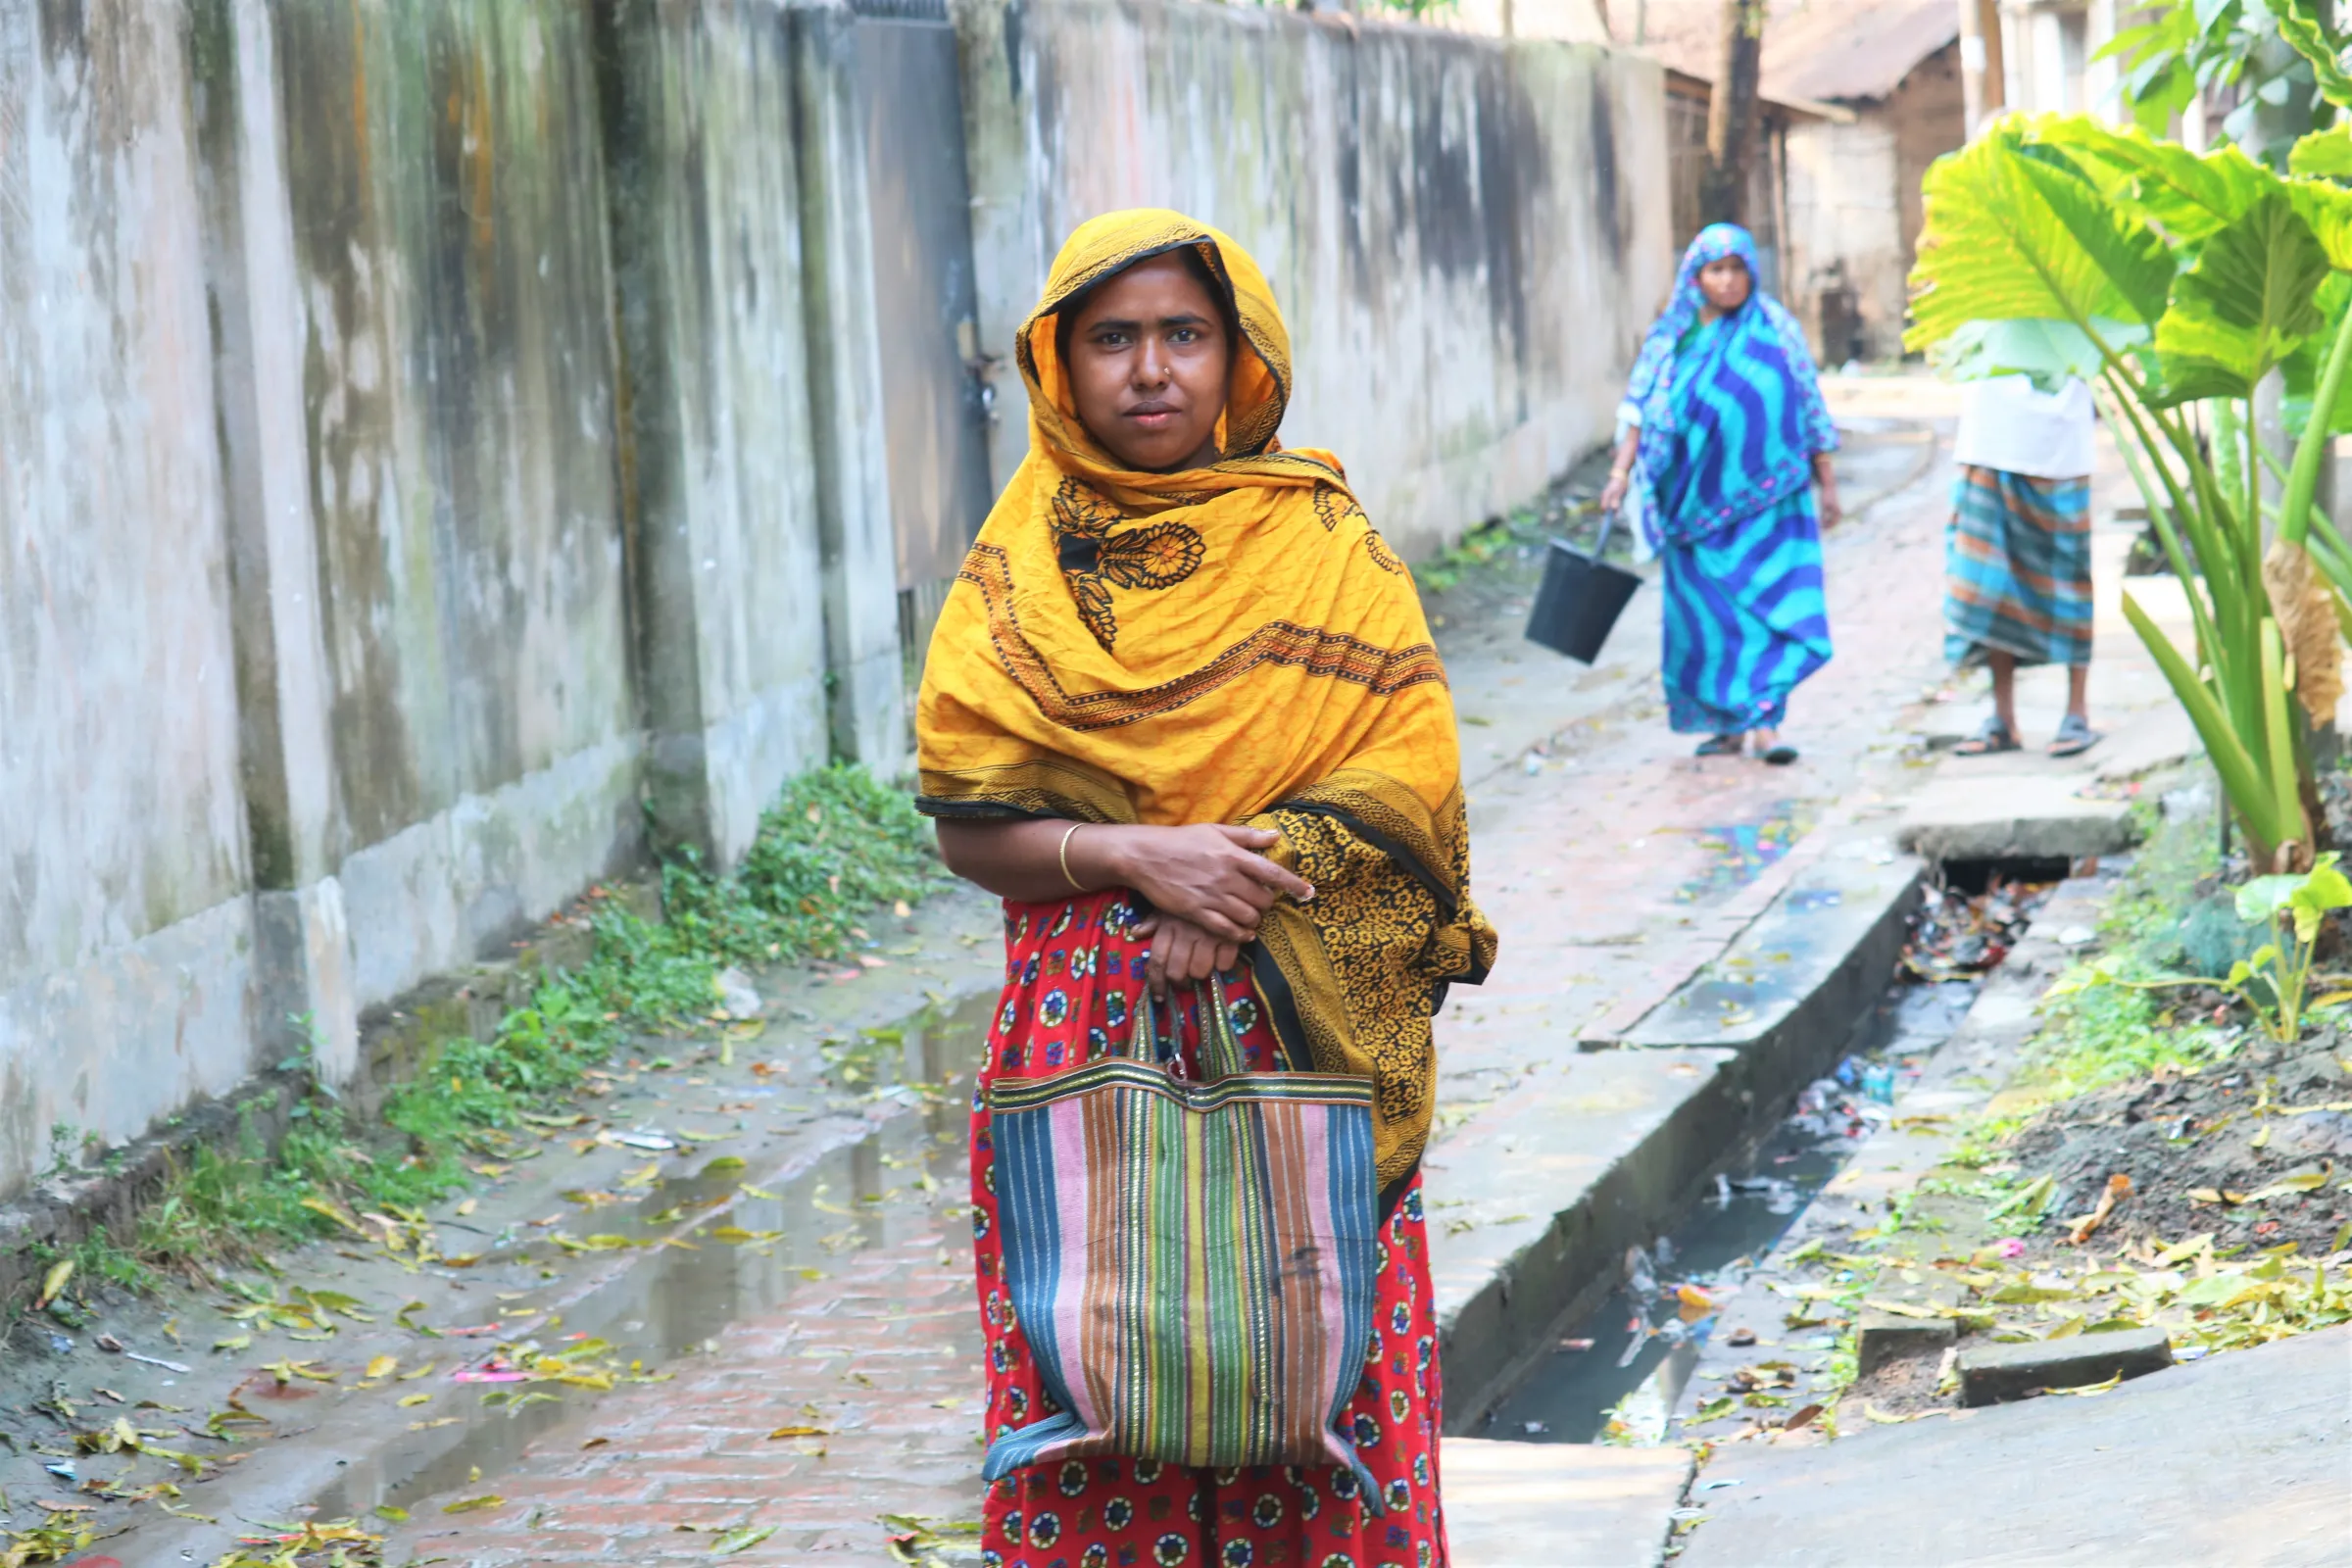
[{"x": 874, "y": 1355}]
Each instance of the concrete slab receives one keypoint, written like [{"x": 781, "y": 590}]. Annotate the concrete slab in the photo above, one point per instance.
[
  {"x": 1795, "y": 980},
  {"x": 2240, "y": 1458},
  {"x": 1964, "y": 816},
  {"x": 1558, "y": 1505}
]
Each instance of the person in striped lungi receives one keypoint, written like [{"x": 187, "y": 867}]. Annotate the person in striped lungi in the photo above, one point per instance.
[
  {"x": 2017, "y": 555},
  {"x": 1728, "y": 442}
]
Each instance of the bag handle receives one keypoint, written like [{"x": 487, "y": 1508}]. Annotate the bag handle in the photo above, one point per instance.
[
  {"x": 1221, "y": 1050},
  {"x": 1142, "y": 1039}
]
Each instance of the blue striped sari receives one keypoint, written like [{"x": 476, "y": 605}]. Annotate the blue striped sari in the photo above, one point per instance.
[{"x": 1732, "y": 418}]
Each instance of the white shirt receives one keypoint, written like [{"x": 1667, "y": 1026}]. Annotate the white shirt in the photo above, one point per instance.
[{"x": 2006, "y": 424}]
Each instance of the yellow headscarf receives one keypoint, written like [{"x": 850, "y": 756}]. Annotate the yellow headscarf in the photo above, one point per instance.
[{"x": 1226, "y": 643}]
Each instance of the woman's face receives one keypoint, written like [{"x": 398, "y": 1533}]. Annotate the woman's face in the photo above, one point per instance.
[
  {"x": 1724, "y": 282},
  {"x": 1149, "y": 363}
]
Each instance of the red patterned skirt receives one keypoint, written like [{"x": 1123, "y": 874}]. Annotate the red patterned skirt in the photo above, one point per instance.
[{"x": 1073, "y": 973}]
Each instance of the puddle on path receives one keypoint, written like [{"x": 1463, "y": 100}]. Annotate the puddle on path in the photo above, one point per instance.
[
  {"x": 1641, "y": 1344},
  {"x": 870, "y": 1191},
  {"x": 1741, "y": 852}
]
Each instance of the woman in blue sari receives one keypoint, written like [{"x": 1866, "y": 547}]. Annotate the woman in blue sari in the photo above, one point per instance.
[{"x": 1728, "y": 441}]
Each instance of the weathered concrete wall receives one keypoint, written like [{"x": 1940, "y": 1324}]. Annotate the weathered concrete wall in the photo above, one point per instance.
[
  {"x": 707, "y": 245},
  {"x": 448, "y": 213},
  {"x": 125, "y": 936},
  {"x": 416, "y": 464},
  {"x": 1467, "y": 235}
]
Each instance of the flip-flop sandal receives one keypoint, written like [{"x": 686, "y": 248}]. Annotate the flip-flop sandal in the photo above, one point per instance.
[
  {"x": 1781, "y": 755},
  {"x": 1720, "y": 746},
  {"x": 2075, "y": 736},
  {"x": 1992, "y": 739}
]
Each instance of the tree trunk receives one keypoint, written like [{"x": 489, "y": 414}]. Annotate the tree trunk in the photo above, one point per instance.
[
  {"x": 1731, "y": 115},
  {"x": 1983, "y": 81}
]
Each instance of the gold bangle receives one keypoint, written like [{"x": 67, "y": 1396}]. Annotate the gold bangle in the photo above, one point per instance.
[{"x": 1065, "y": 857}]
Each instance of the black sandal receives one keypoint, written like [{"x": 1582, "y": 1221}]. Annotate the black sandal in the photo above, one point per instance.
[
  {"x": 1995, "y": 738},
  {"x": 1721, "y": 745},
  {"x": 2074, "y": 737}
]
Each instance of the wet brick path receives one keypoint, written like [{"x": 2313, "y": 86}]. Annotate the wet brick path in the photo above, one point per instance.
[{"x": 875, "y": 1355}]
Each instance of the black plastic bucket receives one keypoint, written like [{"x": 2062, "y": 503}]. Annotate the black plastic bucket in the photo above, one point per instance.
[{"x": 1580, "y": 598}]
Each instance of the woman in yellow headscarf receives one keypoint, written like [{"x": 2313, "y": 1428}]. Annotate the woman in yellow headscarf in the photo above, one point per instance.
[{"x": 1183, "y": 714}]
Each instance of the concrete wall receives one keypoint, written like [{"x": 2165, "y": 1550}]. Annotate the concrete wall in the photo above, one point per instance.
[
  {"x": 434, "y": 446},
  {"x": 1854, "y": 207},
  {"x": 125, "y": 935},
  {"x": 1463, "y": 233},
  {"x": 718, "y": 440}
]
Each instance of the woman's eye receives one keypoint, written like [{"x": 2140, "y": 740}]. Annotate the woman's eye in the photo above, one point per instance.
[{"x": 1185, "y": 334}]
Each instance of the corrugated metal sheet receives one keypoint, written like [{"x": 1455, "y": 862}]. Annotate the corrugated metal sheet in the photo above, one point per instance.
[
  {"x": 1844, "y": 50},
  {"x": 1814, "y": 50}
]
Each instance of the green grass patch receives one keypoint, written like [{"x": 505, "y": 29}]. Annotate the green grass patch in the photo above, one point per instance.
[
  {"x": 836, "y": 844},
  {"x": 1483, "y": 544}
]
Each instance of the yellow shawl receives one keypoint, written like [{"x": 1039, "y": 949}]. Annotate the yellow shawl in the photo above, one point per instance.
[{"x": 1228, "y": 644}]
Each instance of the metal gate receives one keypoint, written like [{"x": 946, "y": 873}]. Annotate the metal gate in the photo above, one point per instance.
[{"x": 935, "y": 420}]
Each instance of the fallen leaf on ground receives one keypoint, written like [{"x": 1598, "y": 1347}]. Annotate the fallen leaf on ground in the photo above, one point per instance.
[
  {"x": 2119, "y": 1187},
  {"x": 2091, "y": 1387},
  {"x": 744, "y": 1540},
  {"x": 472, "y": 1504},
  {"x": 2302, "y": 1180},
  {"x": 800, "y": 1432}
]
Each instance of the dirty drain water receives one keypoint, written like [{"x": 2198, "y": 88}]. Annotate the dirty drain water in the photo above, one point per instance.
[{"x": 1643, "y": 1341}]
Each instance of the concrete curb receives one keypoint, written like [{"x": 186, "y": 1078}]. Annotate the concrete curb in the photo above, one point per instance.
[{"x": 1809, "y": 967}]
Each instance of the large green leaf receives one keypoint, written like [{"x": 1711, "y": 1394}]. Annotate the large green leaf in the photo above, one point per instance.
[
  {"x": 2302, "y": 368},
  {"x": 2328, "y": 208},
  {"x": 2011, "y": 238},
  {"x": 2246, "y": 305},
  {"x": 2323, "y": 154},
  {"x": 2188, "y": 197},
  {"x": 2050, "y": 352},
  {"x": 2307, "y": 39}
]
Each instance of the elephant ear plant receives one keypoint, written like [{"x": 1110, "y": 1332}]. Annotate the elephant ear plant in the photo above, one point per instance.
[{"x": 2177, "y": 285}]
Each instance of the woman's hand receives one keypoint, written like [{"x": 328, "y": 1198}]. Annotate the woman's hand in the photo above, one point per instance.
[
  {"x": 1182, "y": 954},
  {"x": 1621, "y": 468},
  {"x": 1825, "y": 486},
  {"x": 1212, "y": 876}
]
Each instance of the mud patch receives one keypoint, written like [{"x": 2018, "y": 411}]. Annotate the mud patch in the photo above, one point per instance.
[{"x": 2231, "y": 1149}]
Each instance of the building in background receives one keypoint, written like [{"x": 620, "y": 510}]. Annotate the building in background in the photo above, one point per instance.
[
  {"x": 1859, "y": 96},
  {"x": 2046, "y": 54}
]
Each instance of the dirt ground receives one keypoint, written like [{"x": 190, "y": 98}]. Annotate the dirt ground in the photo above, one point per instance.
[{"x": 2227, "y": 1148}]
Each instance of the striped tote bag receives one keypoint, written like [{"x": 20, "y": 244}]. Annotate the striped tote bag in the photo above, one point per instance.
[{"x": 1193, "y": 1262}]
